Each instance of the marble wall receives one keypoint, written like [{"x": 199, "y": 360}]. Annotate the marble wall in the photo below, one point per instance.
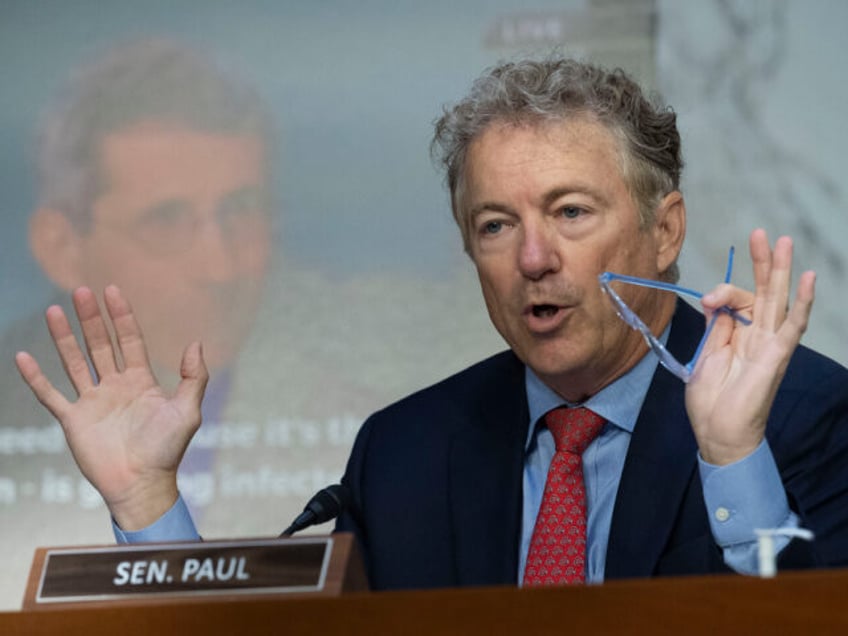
[{"x": 760, "y": 93}]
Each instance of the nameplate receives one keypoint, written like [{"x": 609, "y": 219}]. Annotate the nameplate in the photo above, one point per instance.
[{"x": 267, "y": 566}]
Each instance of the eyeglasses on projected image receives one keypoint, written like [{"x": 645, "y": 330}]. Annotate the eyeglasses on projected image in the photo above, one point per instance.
[{"x": 682, "y": 371}]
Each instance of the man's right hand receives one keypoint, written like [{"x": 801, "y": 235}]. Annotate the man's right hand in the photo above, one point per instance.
[{"x": 126, "y": 434}]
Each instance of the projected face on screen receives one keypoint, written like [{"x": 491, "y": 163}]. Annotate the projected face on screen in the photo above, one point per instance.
[{"x": 182, "y": 225}]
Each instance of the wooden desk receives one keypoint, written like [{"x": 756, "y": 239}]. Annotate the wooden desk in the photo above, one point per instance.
[{"x": 793, "y": 603}]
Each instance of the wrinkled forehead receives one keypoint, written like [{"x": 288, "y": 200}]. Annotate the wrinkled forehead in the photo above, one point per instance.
[{"x": 502, "y": 146}]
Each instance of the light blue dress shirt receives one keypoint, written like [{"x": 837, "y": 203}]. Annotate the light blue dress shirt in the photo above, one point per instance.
[
  {"x": 740, "y": 497},
  {"x": 175, "y": 525}
]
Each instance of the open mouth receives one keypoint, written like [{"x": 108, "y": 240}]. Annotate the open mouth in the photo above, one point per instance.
[
  {"x": 544, "y": 311},
  {"x": 546, "y": 318}
]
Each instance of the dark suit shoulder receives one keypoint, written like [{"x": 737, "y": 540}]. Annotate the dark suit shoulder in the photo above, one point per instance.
[
  {"x": 811, "y": 406},
  {"x": 420, "y": 464},
  {"x": 810, "y": 411},
  {"x": 463, "y": 393},
  {"x": 812, "y": 371}
]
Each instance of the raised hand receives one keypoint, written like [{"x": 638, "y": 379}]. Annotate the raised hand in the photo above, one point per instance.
[
  {"x": 736, "y": 378},
  {"x": 126, "y": 434}
]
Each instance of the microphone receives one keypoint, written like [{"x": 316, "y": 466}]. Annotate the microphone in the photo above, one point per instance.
[{"x": 326, "y": 504}]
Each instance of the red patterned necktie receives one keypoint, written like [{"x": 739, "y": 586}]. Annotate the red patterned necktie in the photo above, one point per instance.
[{"x": 558, "y": 546}]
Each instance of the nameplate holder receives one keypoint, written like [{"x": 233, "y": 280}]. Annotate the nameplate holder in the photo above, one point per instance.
[{"x": 322, "y": 566}]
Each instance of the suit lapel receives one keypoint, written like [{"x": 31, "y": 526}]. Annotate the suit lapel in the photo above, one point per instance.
[
  {"x": 486, "y": 464},
  {"x": 659, "y": 464}
]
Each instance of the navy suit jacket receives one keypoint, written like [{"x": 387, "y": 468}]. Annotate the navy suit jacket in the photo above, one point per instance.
[{"x": 436, "y": 479}]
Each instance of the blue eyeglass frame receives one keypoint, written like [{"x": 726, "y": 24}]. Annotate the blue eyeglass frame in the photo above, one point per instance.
[{"x": 682, "y": 371}]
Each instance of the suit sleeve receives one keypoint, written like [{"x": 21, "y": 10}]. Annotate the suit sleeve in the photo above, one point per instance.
[{"x": 810, "y": 447}]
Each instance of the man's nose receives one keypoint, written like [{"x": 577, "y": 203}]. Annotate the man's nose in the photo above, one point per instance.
[
  {"x": 213, "y": 253},
  {"x": 538, "y": 250}
]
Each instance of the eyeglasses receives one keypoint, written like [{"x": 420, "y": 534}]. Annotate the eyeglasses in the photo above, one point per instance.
[
  {"x": 682, "y": 371},
  {"x": 171, "y": 227}
]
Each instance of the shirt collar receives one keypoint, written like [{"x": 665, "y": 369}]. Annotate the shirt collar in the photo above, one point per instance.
[{"x": 618, "y": 403}]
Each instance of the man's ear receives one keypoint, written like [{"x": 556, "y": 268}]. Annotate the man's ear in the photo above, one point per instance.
[
  {"x": 669, "y": 229},
  {"x": 57, "y": 247}
]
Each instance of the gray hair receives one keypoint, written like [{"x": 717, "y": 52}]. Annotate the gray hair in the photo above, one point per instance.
[
  {"x": 147, "y": 80},
  {"x": 532, "y": 92}
]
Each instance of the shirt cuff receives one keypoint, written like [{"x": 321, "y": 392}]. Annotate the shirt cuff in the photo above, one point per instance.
[
  {"x": 744, "y": 496},
  {"x": 175, "y": 525}
]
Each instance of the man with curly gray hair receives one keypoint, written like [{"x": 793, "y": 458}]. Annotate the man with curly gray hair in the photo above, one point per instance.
[
  {"x": 574, "y": 456},
  {"x": 648, "y": 143}
]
